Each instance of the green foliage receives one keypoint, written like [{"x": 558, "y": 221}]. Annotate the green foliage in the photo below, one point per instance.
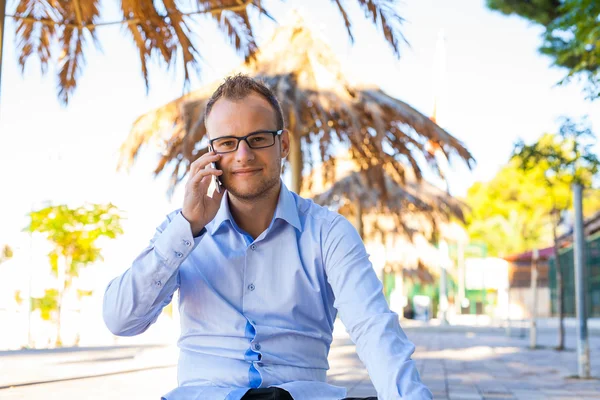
[
  {"x": 168, "y": 310},
  {"x": 6, "y": 253},
  {"x": 83, "y": 293},
  {"x": 513, "y": 212},
  {"x": 540, "y": 11},
  {"x": 18, "y": 298},
  {"x": 571, "y": 37},
  {"x": 509, "y": 213},
  {"x": 74, "y": 234},
  {"x": 47, "y": 304},
  {"x": 566, "y": 158}
]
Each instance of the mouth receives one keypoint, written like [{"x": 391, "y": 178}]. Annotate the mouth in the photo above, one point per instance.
[{"x": 246, "y": 172}]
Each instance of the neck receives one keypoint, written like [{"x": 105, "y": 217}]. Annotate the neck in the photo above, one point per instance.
[{"x": 255, "y": 215}]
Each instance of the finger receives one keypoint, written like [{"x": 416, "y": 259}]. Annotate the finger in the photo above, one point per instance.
[
  {"x": 196, "y": 178},
  {"x": 203, "y": 161}
]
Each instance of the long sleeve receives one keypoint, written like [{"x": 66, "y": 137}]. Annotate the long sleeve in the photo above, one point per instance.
[
  {"x": 380, "y": 342},
  {"x": 134, "y": 300}
]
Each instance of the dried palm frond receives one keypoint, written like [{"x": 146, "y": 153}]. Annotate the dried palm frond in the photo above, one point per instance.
[
  {"x": 159, "y": 29},
  {"x": 353, "y": 194},
  {"x": 355, "y": 188},
  {"x": 320, "y": 107}
]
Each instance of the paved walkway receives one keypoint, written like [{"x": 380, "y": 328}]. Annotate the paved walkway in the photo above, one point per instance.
[
  {"x": 478, "y": 366},
  {"x": 464, "y": 364}
]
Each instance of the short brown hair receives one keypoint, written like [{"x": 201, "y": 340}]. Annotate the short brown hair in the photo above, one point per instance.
[{"x": 238, "y": 87}]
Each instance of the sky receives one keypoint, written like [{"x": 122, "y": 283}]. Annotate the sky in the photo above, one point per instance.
[{"x": 498, "y": 89}]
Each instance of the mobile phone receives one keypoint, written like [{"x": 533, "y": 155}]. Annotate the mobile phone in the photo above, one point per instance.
[{"x": 215, "y": 180}]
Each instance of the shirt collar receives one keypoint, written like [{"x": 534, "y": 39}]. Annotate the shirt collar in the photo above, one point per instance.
[{"x": 286, "y": 210}]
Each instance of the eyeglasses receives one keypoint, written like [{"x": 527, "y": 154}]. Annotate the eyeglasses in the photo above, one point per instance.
[{"x": 255, "y": 140}]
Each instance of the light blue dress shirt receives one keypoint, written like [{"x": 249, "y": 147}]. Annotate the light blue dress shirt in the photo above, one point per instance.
[{"x": 260, "y": 313}]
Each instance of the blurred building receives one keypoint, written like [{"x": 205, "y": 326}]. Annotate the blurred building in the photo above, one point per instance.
[
  {"x": 519, "y": 281},
  {"x": 487, "y": 287}
]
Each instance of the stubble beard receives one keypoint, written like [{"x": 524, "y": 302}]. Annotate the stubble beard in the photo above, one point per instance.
[{"x": 262, "y": 189}]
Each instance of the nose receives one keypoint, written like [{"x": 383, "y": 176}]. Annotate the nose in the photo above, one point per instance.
[{"x": 244, "y": 152}]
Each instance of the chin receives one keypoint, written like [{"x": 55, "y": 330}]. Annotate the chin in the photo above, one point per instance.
[{"x": 252, "y": 188}]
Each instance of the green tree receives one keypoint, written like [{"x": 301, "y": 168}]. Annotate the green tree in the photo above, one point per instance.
[
  {"x": 48, "y": 304},
  {"x": 566, "y": 158},
  {"x": 509, "y": 213},
  {"x": 74, "y": 234},
  {"x": 571, "y": 36}
]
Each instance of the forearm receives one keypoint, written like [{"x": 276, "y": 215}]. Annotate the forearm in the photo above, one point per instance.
[
  {"x": 380, "y": 342},
  {"x": 134, "y": 300},
  {"x": 386, "y": 352}
]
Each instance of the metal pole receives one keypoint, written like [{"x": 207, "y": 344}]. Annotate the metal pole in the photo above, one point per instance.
[
  {"x": 461, "y": 276},
  {"x": 508, "y": 322},
  {"x": 583, "y": 348},
  {"x": 534, "y": 278},
  {"x": 2, "y": 17},
  {"x": 443, "y": 303}
]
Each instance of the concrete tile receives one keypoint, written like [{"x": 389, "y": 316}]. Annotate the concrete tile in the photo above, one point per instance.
[{"x": 463, "y": 396}]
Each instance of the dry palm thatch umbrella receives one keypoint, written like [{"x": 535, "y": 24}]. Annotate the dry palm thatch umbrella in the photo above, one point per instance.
[
  {"x": 353, "y": 191},
  {"x": 320, "y": 107},
  {"x": 59, "y": 30},
  {"x": 411, "y": 197}
]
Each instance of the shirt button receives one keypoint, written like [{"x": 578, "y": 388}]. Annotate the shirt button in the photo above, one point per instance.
[
  {"x": 253, "y": 247},
  {"x": 257, "y": 347},
  {"x": 158, "y": 283},
  {"x": 251, "y": 287},
  {"x": 187, "y": 242},
  {"x": 178, "y": 254}
]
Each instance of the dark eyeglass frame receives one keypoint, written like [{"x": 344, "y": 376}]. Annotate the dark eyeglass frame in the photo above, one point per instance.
[{"x": 244, "y": 138}]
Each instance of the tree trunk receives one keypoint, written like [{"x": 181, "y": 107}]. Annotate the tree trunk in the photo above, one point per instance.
[
  {"x": 560, "y": 292},
  {"x": 359, "y": 220},
  {"x": 534, "y": 279},
  {"x": 295, "y": 156},
  {"x": 59, "y": 307},
  {"x": 62, "y": 272}
]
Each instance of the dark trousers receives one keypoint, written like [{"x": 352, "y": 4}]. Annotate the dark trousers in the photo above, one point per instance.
[{"x": 280, "y": 394}]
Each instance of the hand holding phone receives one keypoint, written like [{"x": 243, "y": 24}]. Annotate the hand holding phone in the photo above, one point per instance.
[{"x": 199, "y": 208}]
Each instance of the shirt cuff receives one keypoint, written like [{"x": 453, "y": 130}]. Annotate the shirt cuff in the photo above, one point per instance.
[{"x": 176, "y": 242}]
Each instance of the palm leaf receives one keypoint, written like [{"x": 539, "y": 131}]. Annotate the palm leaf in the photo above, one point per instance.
[
  {"x": 314, "y": 94},
  {"x": 158, "y": 29}
]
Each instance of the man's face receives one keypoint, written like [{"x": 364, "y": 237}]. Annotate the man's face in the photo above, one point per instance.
[{"x": 239, "y": 118}]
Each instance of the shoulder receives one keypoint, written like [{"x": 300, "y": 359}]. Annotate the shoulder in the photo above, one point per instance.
[
  {"x": 314, "y": 214},
  {"x": 330, "y": 224}
]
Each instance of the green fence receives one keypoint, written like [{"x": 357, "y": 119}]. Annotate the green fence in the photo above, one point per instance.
[{"x": 591, "y": 279}]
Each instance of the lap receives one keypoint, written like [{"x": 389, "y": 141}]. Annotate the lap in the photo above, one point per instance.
[{"x": 280, "y": 394}]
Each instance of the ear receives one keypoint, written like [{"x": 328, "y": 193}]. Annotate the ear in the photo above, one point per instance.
[{"x": 285, "y": 143}]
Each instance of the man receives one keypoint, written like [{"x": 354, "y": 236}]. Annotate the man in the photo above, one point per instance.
[{"x": 261, "y": 274}]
